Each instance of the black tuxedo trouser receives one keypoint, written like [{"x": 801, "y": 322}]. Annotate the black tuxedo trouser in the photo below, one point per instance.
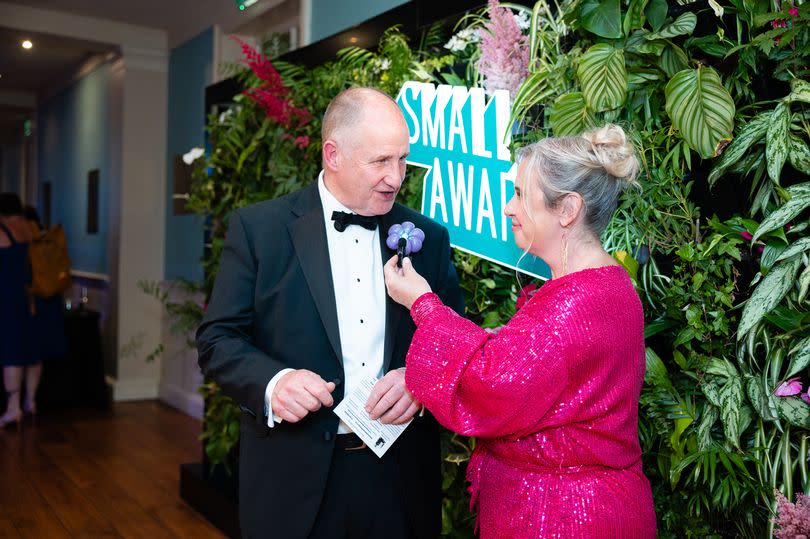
[{"x": 362, "y": 500}]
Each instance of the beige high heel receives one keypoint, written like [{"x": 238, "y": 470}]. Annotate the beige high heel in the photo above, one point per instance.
[{"x": 7, "y": 420}]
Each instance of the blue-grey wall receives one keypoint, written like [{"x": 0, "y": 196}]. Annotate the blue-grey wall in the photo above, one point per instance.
[
  {"x": 332, "y": 16},
  {"x": 190, "y": 69},
  {"x": 73, "y": 133},
  {"x": 11, "y": 168}
]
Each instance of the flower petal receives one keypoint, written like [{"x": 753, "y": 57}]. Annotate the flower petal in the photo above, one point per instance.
[{"x": 789, "y": 388}]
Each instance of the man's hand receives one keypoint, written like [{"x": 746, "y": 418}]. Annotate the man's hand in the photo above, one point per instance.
[
  {"x": 390, "y": 400},
  {"x": 300, "y": 392}
]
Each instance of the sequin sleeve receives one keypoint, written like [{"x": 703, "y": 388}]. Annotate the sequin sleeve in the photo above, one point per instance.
[{"x": 479, "y": 384}]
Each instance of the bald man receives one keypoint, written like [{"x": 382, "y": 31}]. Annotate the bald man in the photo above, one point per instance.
[{"x": 299, "y": 316}]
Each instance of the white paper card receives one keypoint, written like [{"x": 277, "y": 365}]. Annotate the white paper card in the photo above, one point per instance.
[{"x": 377, "y": 436}]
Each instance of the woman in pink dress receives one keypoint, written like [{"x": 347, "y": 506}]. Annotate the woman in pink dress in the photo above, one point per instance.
[{"x": 552, "y": 398}]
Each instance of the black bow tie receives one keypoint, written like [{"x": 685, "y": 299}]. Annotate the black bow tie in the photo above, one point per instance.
[{"x": 343, "y": 219}]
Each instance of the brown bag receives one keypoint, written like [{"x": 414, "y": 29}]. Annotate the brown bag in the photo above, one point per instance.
[{"x": 50, "y": 264}]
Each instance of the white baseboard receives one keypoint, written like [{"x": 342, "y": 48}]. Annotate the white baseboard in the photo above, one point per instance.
[
  {"x": 186, "y": 401},
  {"x": 133, "y": 390}
]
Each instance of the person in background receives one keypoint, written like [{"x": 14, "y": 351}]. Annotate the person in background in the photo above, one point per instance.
[
  {"x": 553, "y": 397},
  {"x": 49, "y": 323},
  {"x": 17, "y": 351}
]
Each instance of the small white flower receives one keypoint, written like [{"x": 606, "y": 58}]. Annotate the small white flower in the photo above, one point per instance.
[
  {"x": 193, "y": 155},
  {"x": 524, "y": 20},
  {"x": 460, "y": 41},
  {"x": 385, "y": 64},
  {"x": 225, "y": 115},
  {"x": 718, "y": 9}
]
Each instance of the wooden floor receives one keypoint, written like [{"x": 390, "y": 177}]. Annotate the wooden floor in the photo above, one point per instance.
[{"x": 100, "y": 474}]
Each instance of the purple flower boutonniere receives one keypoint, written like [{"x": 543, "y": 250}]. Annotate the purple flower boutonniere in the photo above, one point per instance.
[{"x": 405, "y": 239}]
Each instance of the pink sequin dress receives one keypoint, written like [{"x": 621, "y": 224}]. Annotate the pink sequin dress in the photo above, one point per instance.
[{"x": 553, "y": 402}]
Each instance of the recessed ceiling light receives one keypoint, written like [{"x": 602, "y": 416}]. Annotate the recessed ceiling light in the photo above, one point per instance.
[
  {"x": 26, "y": 44},
  {"x": 353, "y": 39}
]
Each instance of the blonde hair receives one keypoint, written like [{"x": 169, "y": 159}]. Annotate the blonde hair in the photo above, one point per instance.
[{"x": 597, "y": 165}]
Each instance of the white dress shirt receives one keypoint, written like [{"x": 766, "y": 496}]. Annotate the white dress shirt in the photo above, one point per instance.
[{"x": 357, "y": 276}]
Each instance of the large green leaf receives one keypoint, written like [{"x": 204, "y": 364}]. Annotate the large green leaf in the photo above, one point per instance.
[
  {"x": 570, "y": 116},
  {"x": 799, "y": 357},
  {"x": 793, "y": 410},
  {"x": 752, "y": 132},
  {"x": 767, "y": 294},
  {"x": 701, "y": 108},
  {"x": 673, "y": 60},
  {"x": 799, "y": 200},
  {"x": 800, "y": 91},
  {"x": 603, "y": 77},
  {"x": 535, "y": 89},
  {"x": 777, "y": 139},
  {"x": 656, "y": 13},
  {"x": 799, "y": 154},
  {"x": 685, "y": 24},
  {"x": 634, "y": 18},
  {"x": 602, "y": 17}
]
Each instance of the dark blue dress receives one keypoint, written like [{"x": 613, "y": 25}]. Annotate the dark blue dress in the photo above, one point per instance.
[{"x": 16, "y": 323}]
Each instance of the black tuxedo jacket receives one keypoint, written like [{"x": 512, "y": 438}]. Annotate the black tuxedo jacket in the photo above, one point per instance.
[{"x": 273, "y": 307}]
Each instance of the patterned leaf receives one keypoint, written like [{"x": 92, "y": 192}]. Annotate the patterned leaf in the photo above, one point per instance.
[
  {"x": 602, "y": 17},
  {"x": 799, "y": 357},
  {"x": 535, "y": 89},
  {"x": 759, "y": 398},
  {"x": 800, "y": 91},
  {"x": 752, "y": 132},
  {"x": 804, "y": 284},
  {"x": 711, "y": 390},
  {"x": 794, "y": 410},
  {"x": 731, "y": 398},
  {"x": 673, "y": 59},
  {"x": 656, "y": 13},
  {"x": 603, "y": 77},
  {"x": 570, "y": 116},
  {"x": 800, "y": 199},
  {"x": 777, "y": 139},
  {"x": 701, "y": 108},
  {"x": 685, "y": 24},
  {"x": 798, "y": 247},
  {"x": 768, "y": 293},
  {"x": 799, "y": 154},
  {"x": 704, "y": 430}
]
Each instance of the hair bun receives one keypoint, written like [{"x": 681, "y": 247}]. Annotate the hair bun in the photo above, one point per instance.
[{"x": 613, "y": 152}]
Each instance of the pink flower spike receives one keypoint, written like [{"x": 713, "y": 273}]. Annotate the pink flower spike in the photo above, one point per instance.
[
  {"x": 789, "y": 388},
  {"x": 747, "y": 236},
  {"x": 794, "y": 11}
]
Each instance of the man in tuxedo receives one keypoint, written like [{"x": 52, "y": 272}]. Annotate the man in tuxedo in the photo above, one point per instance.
[{"x": 299, "y": 315}]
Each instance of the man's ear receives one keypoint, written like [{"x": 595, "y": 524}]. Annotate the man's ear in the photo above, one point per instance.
[
  {"x": 570, "y": 208},
  {"x": 330, "y": 154}
]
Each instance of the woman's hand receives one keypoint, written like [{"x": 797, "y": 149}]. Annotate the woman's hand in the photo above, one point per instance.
[{"x": 404, "y": 284}]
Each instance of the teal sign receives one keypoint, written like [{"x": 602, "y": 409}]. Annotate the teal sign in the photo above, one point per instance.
[{"x": 462, "y": 139}]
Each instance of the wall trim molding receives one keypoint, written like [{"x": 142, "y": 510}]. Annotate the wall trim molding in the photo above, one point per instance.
[
  {"x": 135, "y": 389},
  {"x": 190, "y": 403}
]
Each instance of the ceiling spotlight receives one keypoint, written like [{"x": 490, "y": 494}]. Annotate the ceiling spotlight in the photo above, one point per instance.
[
  {"x": 26, "y": 44},
  {"x": 353, "y": 39}
]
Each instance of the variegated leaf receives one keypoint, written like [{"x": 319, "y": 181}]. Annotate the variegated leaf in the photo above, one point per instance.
[
  {"x": 776, "y": 150},
  {"x": 603, "y": 77},
  {"x": 534, "y": 90},
  {"x": 711, "y": 390},
  {"x": 704, "y": 430},
  {"x": 800, "y": 199},
  {"x": 799, "y": 154},
  {"x": 767, "y": 294},
  {"x": 701, "y": 108},
  {"x": 634, "y": 18},
  {"x": 799, "y": 357},
  {"x": 570, "y": 116},
  {"x": 759, "y": 398},
  {"x": 794, "y": 410},
  {"x": 804, "y": 284},
  {"x": 799, "y": 246},
  {"x": 683, "y": 25},
  {"x": 800, "y": 91},
  {"x": 752, "y": 132},
  {"x": 731, "y": 398},
  {"x": 673, "y": 60}
]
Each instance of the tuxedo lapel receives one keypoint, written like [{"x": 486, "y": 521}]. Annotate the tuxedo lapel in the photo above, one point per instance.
[
  {"x": 393, "y": 310},
  {"x": 309, "y": 241}
]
